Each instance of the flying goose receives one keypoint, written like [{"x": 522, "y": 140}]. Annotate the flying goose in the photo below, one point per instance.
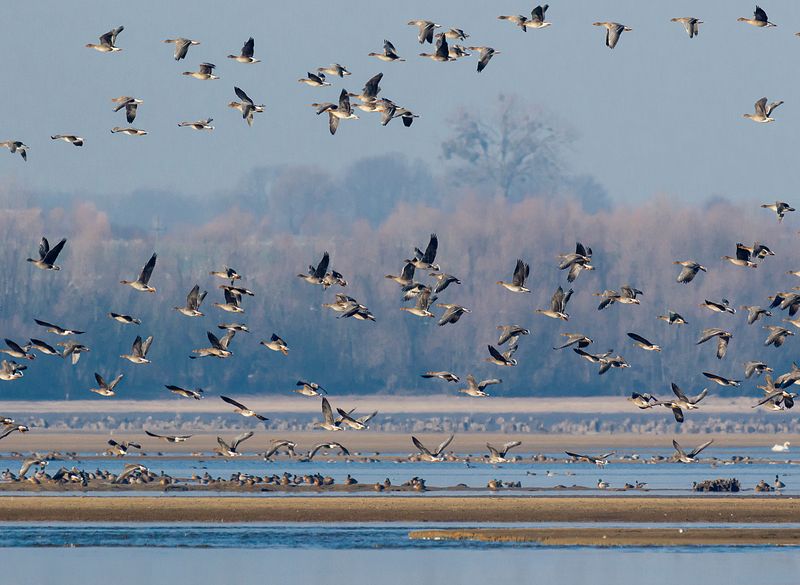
[
  {"x": 426, "y": 28},
  {"x": 15, "y": 146},
  {"x": 218, "y": 349},
  {"x": 442, "y": 52},
  {"x": 689, "y": 270},
  {"x": 486, "y": 54},
  {"x": 502, "y": 359},
  {"x": 277, "y": 445},
  {"x": 73, "y": 349},
  {"x": 723, "y": 337},
  {"x": 169, "y": 438},
  {"x": 558, "y": 305},
  {"x": 510, "y": 334},
  {"x": 575, "y": 338},
  {"x": 231, "y": 450},
  {"x": 197, "y": 393},
  {"x": 309, "y": 388},
  {"x": 332, "y": 278},
  {"x": 341, "y": 111},
  {"x": 36, "y": 461},
  {"x": 537, "y": 17},
  {"x": 68, "y": 138},
  {"x": 246, "y": 54},
  {"x": 139, "y": 350},
  {"x": 673, "y": 318},
  {"x": 125, "y": 319},
  {"x": 777, "y": 398},
  {"x": 759, "y": 19},
  {"x": 371, "y": 89},
  {"x": 421, "y": 309},
  {"x": 193, "y": 301},
  {"x": 576, "y": 262},
  {"x": 456, "y": 34},
  {"x": 242, "y": 409},
  {"x": 599, "y": 460},
  {"x": 181, "y": 46},
  {"x": 442, "y": 280},
  {"x": 777, "y": 335},
  {"x": 231, "y": 304},
  {"x": 613, "y": 31},
  {"x": 640, "y": 341},
  {"x": 314, "y": 80},
  {"x": 130, "y": 470},
  {"x": 756, "y": 368},
  {"x": 424, "y": 260},
  {"x": 442, "y": 375},
  {"x": 128, "y": 131},
  {"x": 722, "y": 381},
  {"x": 17, "y": 351},
  {"x": 48, "y": 255},
  {"x": 316, "y": 275},
  {"x": 780, "y": 208},
  {"x": 517, "y": 284},
  {"x": 626, "y": 296},
  {"x": 432, "y": 456},
  {"x": 105, "y": 388},
  {"x": 498, "y": 454},
  {"x": 328, "y": 422},
  {"x": 606, "y": 363},
  {"x": 681, "y": 402},
  {"x": 247, "y": 106},
  {"x": 763, "y": 111},
  {"x": 643, "y": 400},
  {"x": 198, "y": 125},
  {"x": 107, "y": 41},
  {"x": 131, "y": 105},
  {"x": 226, "y": 273},
  {"x": 334, "y": 69},
  {"x": 722, "y": 306},
  {"x": 121, "y": 449},
  {"x": 475, "y": 388},
  {"x": 786, "y": 300},
  {"x": 328, "y": 445},
  {"x": 11, "y": 371},
  {"x": 789, "y": 378},
  {"x": 389, "y": 53},
  {"x": 13, "y": 428},
  {"x": 204, "y": 72},
  {"x": 742, "y": 257},
  {"x": 239, "y": 291},
  {"x": 594, "y": 358},
  {"x": 452, "y": 313},
  {"x": 141, "y": 283},
  {"x": 690, "y": 457},
  {"x": 57, "y": 330},
  {"x": 690, "y": 23},
  {"x": 457, "y": 52},
  {"x": 754, "y": 313},
  {"x": 519, "y": 20},
  {"x": 275, "y": 343},
  {"x": 43, "y": 347},
  {"x": 358, "y": 424}
]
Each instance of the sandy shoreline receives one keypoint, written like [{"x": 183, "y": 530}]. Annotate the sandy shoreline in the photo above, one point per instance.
[{"x": 424, "y": 508}]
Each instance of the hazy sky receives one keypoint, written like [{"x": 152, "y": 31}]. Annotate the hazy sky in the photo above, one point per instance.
[{"x": 660, "y": 113}]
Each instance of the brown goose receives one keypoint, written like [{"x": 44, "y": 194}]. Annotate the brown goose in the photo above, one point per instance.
[
  {"x": 613, "y": 31},
  {"x": 232, "y": 450},
  {"x": 689, "y": 270},
  {"x": 242, "y": 409},
  {"x": 139, "y": 350},
  {"x": 193, "y": 301},
  {"x": 131, "y": 105},
  {"x": 510, "y": 334},
  {"x": 181, "y": 46},
  {"x": 424, "y": 260},
  {"x": 723, "y": 337},
  {"x": 777, "y": 335},
  {"x": 68, "y": 138},
  {"x": 389, "y": 53},
  {"x": 673, "y": 318},
  {"x": 204, "y": 72},
  {"x": 475, "y": 388},
  {"x": 435, "y": 455},
  {"x": 498, "y": 454},
  {"x": 759, "y": 19},
  {"x": 442, "y": 375},
  {"x": 681, "y": 402},
  {"x": 105, "y": 388},
  {"x": 246, "y": 54},
  {"x": 141, "y": 283},
  {"x": 426, "y": 29},
  {"x": 558, "y": 305},
  {"x": 218, "y": 349},
  {"x": 57, "y": 330},
  {"x": 107, "y": 41},
  {"x": 691, "y": 24},
  {"x": 645, "y": 344},
  {"x": 48, "y": 255},
  {"x": 275, "y": 343},
  {"x": 168, "y": 438},
  {"x": 502, "y": 359},
  {"x": 517, "y": 284},
  {"x": 691, "y": 456},
  {"x": 197, "y": 393},
  {"x": 16, "y": 146}
]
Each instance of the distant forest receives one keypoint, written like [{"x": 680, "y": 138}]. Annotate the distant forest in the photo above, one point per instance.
[{"x": 501, "y": 191}]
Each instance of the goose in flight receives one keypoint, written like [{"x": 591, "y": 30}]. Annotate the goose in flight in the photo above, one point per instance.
[
  {"x": 57, "y": 330},
  {"x": 205, "y": 72},
  {"x": 218, "y": 349},
  {"x": 334, "y": 69},
  {"x": 502, "y": 359},
  {"x": 371, "y": 89},
  {"x": 198, "y": 125},
  {"x": 485, "y": 55},
  {"x": 246, "y": 54},
  {"x": 11, "y": 371},
  {"x": 756, "y": 368},
  {"x": 68, "y": 138},
  {"x": 197, "y": 393},
  {"x": 575, "y": 338},
  {"x": 314, "y": 80},
  {"x": 426, "y": 29},
  {"x": 723, "y": 306},
  {"x": 13, "y": 428},
  {"x": 17, "y": 351},
  {"x": 786, "y": 300},
  {"x": 442, "y": 52},
  {"x": 425, "y": 260},
  {"x": 754, "y": 313},
  {"x": 316, "y": 275},
  {"x": 537, "y": 17},
  {"x": 759, "y": 19},
  {"x": 743, "y": 255},
  {"x": 328, "y": 422},
  {"x": 521, "y": 272},
  {"x": 181, "y": 46},
  {"x": 128, "y": 131},
  {"x": 226, "y": 273},
  {"x": 389, "y": 53},
  {"x": 777, "y": 335},
  {"x": 673, "y": 318},
  {"x": 441, "y": 375},
  {"x": 247, "y": 106},
  {"x": 576, "y": 262},
  {"x": 681, "y": 402},
  {"x": 74, "y": 349},
  {"x": 498, "y": 454},
  {"x": 131, "y": 105},
  {"x": 240, "y": 408},
  {"x": 107, "y": 41},
  {"x": 691, "y": 456},
  {"x": 435, "y": 455},
  {"x": 231, "y": 304},
  {"x": 510, "y": 334},
  {"x": 275, "y": 343},
  {"x": 48, "y": 255},
  {"x": 124, "y": 319},
  {"x": 232, "y": 450},
  {"x": 141, "y": 283},
  {"x": 780, "y": 208},
  {"x": 475, "y": 388},
  {"x": 689, "y": 270},
  {"x": 626, "y": 296},
  {"x": 139, "y": 350},
  {"x": 341, "y": 111},
  {"x": 421, "y": 309},
  {"x": 594, "y": 358},
  {"x": 105, "y": 388},
  {"x": 599, "y": 460},
  {"x": 763, "y": 111},
  {"x": 722, "y": 381},
  {"x": 121, "y": 448},
  {"x": 442, "y": 281},
  {"x": 131, "y": 469},
  {"x": 15, "y": 146},
  {"x": 42, "y": 347},
  {"x": 456, "y": 34},
  {"x": 358, "y": 424},
  {"x": 328, "y": 445},
  {"x": 776, "y": 397},
  {"x": 613, "y": 31},
  {"x": 193, "y": 301},
  {"x": 558, "y": 305},
  {"x": 606, "y": 363},
  {"x": 168, "y": 438},
  {"x": 643, "y": 400},
  {"x": 31, "y": 462},
  {"x": 309, "y": 388},
  {"x": 690, "y": 23},
  {"x": 452, "y": 313},
  {"x": 645, "y": 344},
  {"x": 519, "y": 20},
  {"x": 277, "y": 445},
  {"x": 723, "y": 337}
]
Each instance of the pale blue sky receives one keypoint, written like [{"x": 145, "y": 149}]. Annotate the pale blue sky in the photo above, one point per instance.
[{"x": 659, "y": 114}]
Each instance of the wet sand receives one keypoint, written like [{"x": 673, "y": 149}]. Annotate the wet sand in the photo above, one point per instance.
[
  {"x": 420, "y": 508},
  {"x": 621, "y": 536}
]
